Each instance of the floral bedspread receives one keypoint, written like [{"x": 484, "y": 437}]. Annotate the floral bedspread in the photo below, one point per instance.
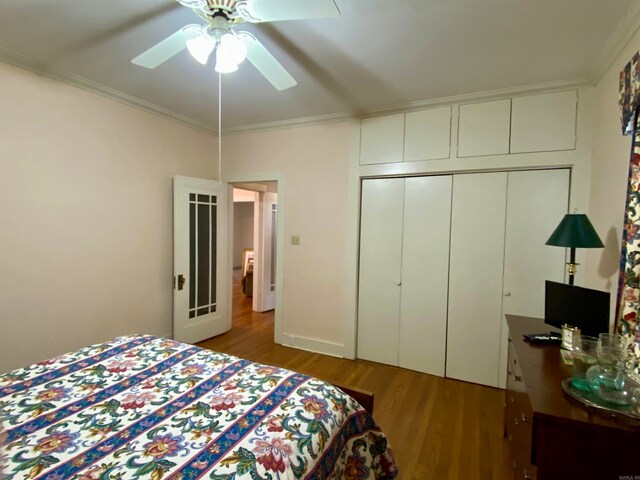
[{"x": 147, "y": 407}]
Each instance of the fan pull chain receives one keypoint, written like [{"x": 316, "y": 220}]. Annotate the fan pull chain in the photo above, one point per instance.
[{"x": 219, "y": 127}]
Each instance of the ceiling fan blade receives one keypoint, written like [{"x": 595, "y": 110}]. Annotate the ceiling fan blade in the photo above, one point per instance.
[
  {"x": 167, "y": 48},
  {"x": 266, "y": 63},
  {"x": 256, "y": 11}
]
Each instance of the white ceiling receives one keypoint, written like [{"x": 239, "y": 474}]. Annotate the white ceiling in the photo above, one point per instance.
[{"x": 377, "y": 53}]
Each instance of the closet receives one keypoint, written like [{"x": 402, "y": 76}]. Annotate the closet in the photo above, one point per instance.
[{"x": 443, "y": 258}]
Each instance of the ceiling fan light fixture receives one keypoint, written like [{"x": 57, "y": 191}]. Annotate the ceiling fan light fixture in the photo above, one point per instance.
[
  {"x": 232, "y": 49},
  {"x": 225, "y": 67},
  {"x": 201, "y": 47}
]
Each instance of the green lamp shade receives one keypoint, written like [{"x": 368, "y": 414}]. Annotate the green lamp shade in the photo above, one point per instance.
[{"x": 575, "y": 230}]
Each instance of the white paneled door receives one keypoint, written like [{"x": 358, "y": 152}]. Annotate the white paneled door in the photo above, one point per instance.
[
  {"x": 404, "y": 265},
  {"x": 443, "y": 258},
  {"x": 475, "y": 277},
  {"x": 536, "y": 202},
  {"x": 425, "y": 266},
  {"x": 380, "y": 269},
  {"x": 200, "y": 295}
]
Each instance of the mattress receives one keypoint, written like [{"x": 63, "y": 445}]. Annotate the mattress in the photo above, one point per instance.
[{"x": 147, "y": 407}]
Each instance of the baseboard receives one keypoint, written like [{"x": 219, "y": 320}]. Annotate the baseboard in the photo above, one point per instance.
[{"x": 313, "y": 345}]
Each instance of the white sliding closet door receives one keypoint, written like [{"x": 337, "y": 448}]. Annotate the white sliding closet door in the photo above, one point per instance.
[
  {"x": 536, "y": 202},
  {"x": 425, "y": 269},
  {"x": 380, "y": 269},
  {"x": 475, "y": 277}
]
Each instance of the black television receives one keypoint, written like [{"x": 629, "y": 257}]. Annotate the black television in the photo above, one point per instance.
[{"x": 579, "y": 307}]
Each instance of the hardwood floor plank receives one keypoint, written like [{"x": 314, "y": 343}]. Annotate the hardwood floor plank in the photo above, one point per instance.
[{"x": 439, "y": 428}]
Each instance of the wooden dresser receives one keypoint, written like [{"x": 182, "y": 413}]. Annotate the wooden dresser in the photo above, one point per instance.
[{"x": 553, "y": 437}]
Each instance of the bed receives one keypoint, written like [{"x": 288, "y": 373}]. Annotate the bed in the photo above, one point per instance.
[{"x": 147, "y": 407}]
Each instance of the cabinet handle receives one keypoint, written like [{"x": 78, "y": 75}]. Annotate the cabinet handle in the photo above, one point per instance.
[
  {"x": 398, "y": 283},
  {"x": 510, "y": 437},
  {"x": 511, "y": 400},
  {"x": 515, "y": 465},
  {"x": 524, "y": 418},
  {"x": 516, "y": 422},
  {"x": 527, "y": 476}
]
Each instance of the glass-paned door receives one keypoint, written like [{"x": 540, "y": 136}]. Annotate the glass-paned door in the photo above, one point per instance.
[{"x": 200, "y": 259}]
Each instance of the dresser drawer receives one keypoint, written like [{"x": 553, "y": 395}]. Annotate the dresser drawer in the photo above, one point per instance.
[{"x": 518, "y": 420}]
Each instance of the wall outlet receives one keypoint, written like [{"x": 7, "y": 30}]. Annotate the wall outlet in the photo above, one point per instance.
[{"x": 295, "y": 239}]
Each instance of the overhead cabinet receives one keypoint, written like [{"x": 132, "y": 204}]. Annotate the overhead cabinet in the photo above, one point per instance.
[
  {"x": 421, "y": 135},
  {"x": 443, "y": 258},
  {"x": 546, "y": 122},
  {"x": 533, "y": 123},
  {"x": 483, "y": 128},
  {"x": 381, "y": 139}
]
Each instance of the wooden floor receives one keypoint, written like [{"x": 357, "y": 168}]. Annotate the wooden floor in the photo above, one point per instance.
[{"x": 438, "y": 428}]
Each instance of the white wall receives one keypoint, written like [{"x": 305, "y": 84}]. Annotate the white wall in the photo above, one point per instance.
[
  {"x": 242, "y": 230},
  {"x": 85, "y": 216},
  {"x": 314, "y": 163},
  {"x": 610, "y": 168}
]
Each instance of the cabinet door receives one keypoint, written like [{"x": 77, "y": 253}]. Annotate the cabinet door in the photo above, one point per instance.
[
  {"x": 425, "y": 270},
  {"x": 381, "y": 139},
  {"x": 546, "y": 122},
  {"x": 427, "y": 134},
  {"x": 380, "y": 269},
  {"x": 475, "y": 277},
  {"x": 484, "y": 128},
  {"x": 536, "y": 202}
]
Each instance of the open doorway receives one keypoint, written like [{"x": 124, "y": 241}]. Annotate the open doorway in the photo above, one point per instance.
[{"x": 254, "y": 253}]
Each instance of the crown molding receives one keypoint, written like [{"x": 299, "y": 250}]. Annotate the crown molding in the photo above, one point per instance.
[
  {"x": 481, "y": 96},
  {"x": 291, "y": 123},
  {"x": 40, "y": 68},
  {"x": 411, "y": 106},
  {"x": 616, "y": 42}
]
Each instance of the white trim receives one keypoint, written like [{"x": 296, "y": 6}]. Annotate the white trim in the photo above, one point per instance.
[
  {"x": 40, "y": 68},
  {"x": 313, "y": 345},
  {"x": 411, "y": 106},
  {"x": 353, "y": 247},
  {"x": 269, "y": 177},
  {"x": 616, "y": 42}
]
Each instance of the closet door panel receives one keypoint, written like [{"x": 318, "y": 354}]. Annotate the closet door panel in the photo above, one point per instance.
[
  {"x": 536, "y": 202},
  {"x": 475, "y": 277},
  {"x": 380, "y": 269},
  {"x": 425, "y": 271}
]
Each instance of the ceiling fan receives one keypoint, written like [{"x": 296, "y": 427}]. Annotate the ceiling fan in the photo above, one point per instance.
[{"x": 232, "y": 47}]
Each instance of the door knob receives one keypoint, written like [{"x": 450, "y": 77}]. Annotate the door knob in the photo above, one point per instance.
[
  {"x": 398, "y": 283},
  {"x": 507, "y": 294},
  {"x": 181, "y": 281}
]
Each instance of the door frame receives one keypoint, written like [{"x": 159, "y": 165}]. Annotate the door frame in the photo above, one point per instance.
[
  {"x": 260, "y": 239},
  {"x": 280, "y": 238}
]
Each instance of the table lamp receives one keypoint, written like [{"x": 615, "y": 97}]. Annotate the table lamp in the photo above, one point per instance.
[{"x": 575, "y": 231}]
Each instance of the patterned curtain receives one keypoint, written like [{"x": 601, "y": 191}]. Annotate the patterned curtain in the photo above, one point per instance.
[
  {"x": 628, "y": 305},
  {"x": 629, "y": 93}
]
